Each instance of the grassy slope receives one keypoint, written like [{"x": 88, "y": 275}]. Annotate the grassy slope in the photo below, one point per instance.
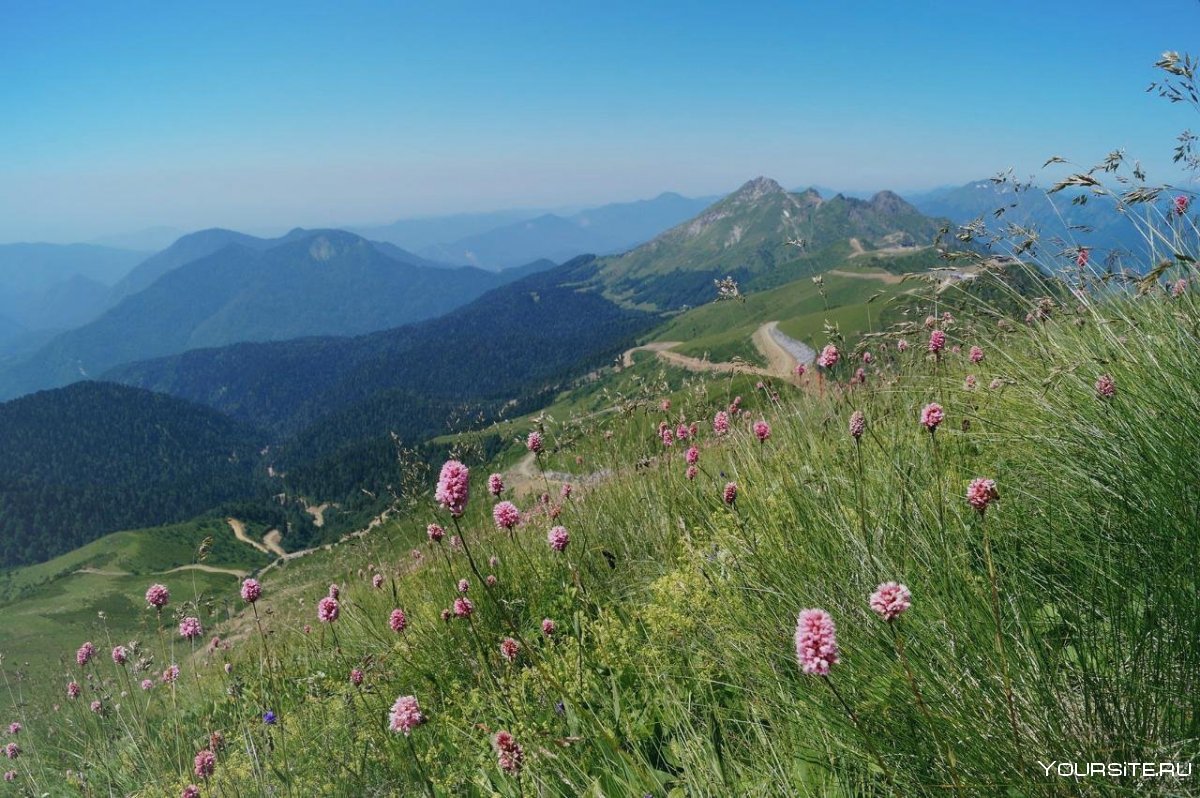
[{"x": 672, "y": 669}]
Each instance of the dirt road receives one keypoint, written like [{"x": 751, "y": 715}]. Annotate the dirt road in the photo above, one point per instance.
[{"x": 781, "y": 353}]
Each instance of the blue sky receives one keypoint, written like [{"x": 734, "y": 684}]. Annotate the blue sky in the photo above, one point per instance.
[{"x": 121, "y": 116}]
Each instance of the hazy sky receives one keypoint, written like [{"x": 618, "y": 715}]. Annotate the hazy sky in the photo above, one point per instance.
[{"x": 121, "y": 116}]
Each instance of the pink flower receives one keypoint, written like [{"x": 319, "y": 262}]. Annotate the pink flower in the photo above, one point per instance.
[
  {"x": 1106, "y": 386},
  {"x": 190, "y": 627},
  {"x": 867, "y": 358},
  {"x": 495, "y": 484},
  {"x": 85, "y": 653},
  {"x": 73, "y": 690},
  {"x": 1181, "y": 203},
  {"x": 902, "y": 345},
  {"x": 565, "y": 490},
  {"x": 490, "y": 580},
  {"x": 147, "y": 684},
  {"x": 691, "y": 472},
  {"x": 307, "y": 629},
  {"x": 558, "y": 538},
  {"x": 932, "y": 415},
  {"x": 668, "y": 437},
  {"x": 692, "y": 456},
  {"x": 534, "y": 442},
  {"x": 510, "y": 757},
  {"x": 120, "y": 655},
  {"x": 937, "y": 341},
  {"x": 327, "y": 609},
  {"x": 11, "y": 775},
  {"x": 170, "y": 674},
  {"x": 548, "y": 627},
  {"x": 15, "y": 727},
  {"x": 463, "y": 585},
  {"x": 398, "y": 621},
  {"x": 1081, "y": 259},
  {"x": 493, "y": 561},
  {"x": 860, "y": 377},
  {"x": 665, "y": 404},
  {"x": 405, "y": 715},
  {"x": 509, "y": 649},
  {"x": 251, "y": 591},
  {"x": 996, "y": 384},
  {"x": 463, "y": 607},
  {"x": 683, "y": 432},
  {"x": 356, "y": 677},
  {"x": 721, "y": 423},
  {"x": 96, "y": 707},
  {"x": 377, "y": 581},
  {"x": 445, "y": 615},
  {"x": 816, "y": 642},
  {"x": 453, "y": 487},
  {"x": 334, "y": 591},
  {"x": 1179, "y": 288},
  {"x": 157, "y": 596},
  {"x": 416, "y": 555},
  {"x": 828, "y": 357},
  {"x": 506, "y": 515},
  {"x": 762, "y": 431},
  {"x": 12, "y": 750},
  {"x": 799, "y": 370},
  {"x": 730, "y": 492},
  {"x": 890, "y": 600},
  {"x": 435, "y": 532},
  {"x": 976, "y": 354},
  {"x": 190, "y": 791},
  {"x": 981, "y": 493},
  {"x": 858, "y": 424},
  {"x": 205, "y": 763}
]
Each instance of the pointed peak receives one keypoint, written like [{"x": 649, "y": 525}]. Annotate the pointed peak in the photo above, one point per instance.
[{"x": 758, "y": 187}]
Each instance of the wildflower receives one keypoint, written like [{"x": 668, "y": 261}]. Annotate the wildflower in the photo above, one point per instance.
[
  {"x": 860, "y": 377},
  {"x": 1106, "y": 386},
  {"x": 15, "y": 727},
  {"x": 981, "y": 493},
  {"x": 307, "y": 629},
  {"x": 1179, "y": 288},
  {"x": 720, "y": 423},
  {"x": 191, "y": 791},
  {"x": 147, "y": 684},
  {"x": 937, "y": 341},
  {"x": 976, "y": 354},
  {"x": 509, "y": 649},
  {"x": 120, "y": 655},
  {"x": 377, "y": 581},
  {"x": 1082, "y": 258},
  {"x": 668, "y": 437},
  {"x": 665, "y": 404},
  {"x": 932, "y": 415},
  {"x": 691, "y": 472},
  {"x": 445, "y": 615},
  {"x": 762, "y": 431},
  {"x": 417, "y": 555},
  {"x": 453, "y": 487},
  {"x": 96, "y": 707},
  {"x": 495, "y": 484},
  {"x": 828, "y": 357},
  {"x": 12, "y": 750},
  {"x": 327, "y": 609},
  {"x": 534, "y": 442},
  {"x": 506, "y": 515},
  {"x": 511, "y": 757},
  {"x": 816, "y": 642},
  {"x": 435, "y": 532},
  {"x": 11, "y": 775},
  {"x": 269, "y": 718},
  {"x": 799, "y": 370},
  {"x": 398, "y": 620},
  {"x": 356, "y": 677},
  {"x": 73, "y": 690},
  {"x": 157, "y": 596},
  {"x": 682, "y": 432},
  {"x": 1181, "y": 203},
  {"x": 85, "y": 653},
  {"x": 565, "y": 490},
  {"x": 455, "y": 542},
  {"x": 956, "y": 349},
  {"x": 996, "y": 384},
  {"x": 334, "y": 591},
  {"x": 858, "y": 424},
  {"x": 493, "y": 561},
  {"x": 463, "y": 585},
  {"x": 890, "y": 600},
  {"x": 490, "y": 580},
  {"x": 730, "y": 493},
  {"x": 902, "y": 345},
  {"x": 205, "y": 763},
  {"x": 405, "y": 715},
  {"x": 216, "y": 741},
  {"x": 170, "y": 674},
  {"x": 463, "y": 607},
  {"x": 189, "y": 628},
  {"x": 251, "y": 591},
  {"x": 558, "y": 538},
  {"x": 548, "y": 627}
]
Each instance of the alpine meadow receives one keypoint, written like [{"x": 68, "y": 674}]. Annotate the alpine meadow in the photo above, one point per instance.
[{"x": 461, "y": 401}]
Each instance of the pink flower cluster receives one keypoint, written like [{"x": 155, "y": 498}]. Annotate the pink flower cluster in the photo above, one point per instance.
[
  {"x": 816, "y": 642},
  {"x": 729, "y": 495},
  {"x": 937, "y": 341},
  {"x": 762, "y": 431},
  {"x": 189, "y": 628},
  {"x": 890, "y": 600},
  {"x": 981, "y": 493},
  {"x": 85, "y": 653},
  {"x": 453, "y": 487},
  {"x": 1106, "y": 386},
  {"x": 405, "y": 715},
  {"x": 495, "y": 484},
  {"x": 120, "y": 655},
  {"x": 435, "y": 532},
  {"x": 398, "y": 621},
  {"x": 720, "y": 423},
  {"x": 534, "y": 442},
  {"x": 828, "y": 357},
  {"x": 251, "y": 591},
  {"x": 932, "y": 415},
  {"x": 205, "y": 764},
  {"x": 506, "y": 515},
  {"x": 976, "y": 354},
  {"x": 858, "y": 424},
  {"x": 558, "y": 538},
  {"x": 327, "y": 609},
  {"x": 157, "y": 596},
  {"x": 509, "y": 649},
  {"x": 511, "y": 757}
]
